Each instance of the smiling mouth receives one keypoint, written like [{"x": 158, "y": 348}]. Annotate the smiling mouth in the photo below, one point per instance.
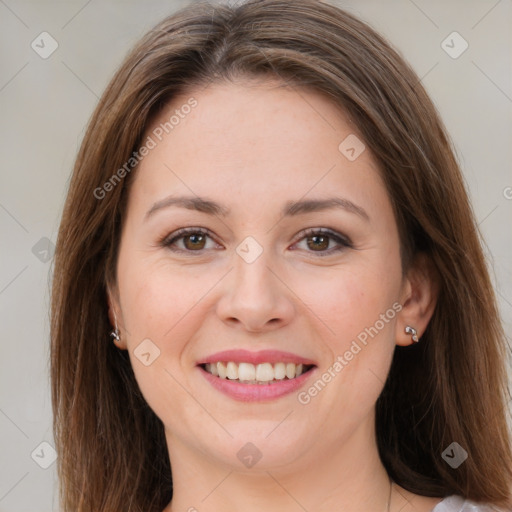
[{"x": 263, "y": 373}]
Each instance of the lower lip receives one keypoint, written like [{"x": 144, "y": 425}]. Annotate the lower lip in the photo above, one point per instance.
[{"x": 256, "y": 392}]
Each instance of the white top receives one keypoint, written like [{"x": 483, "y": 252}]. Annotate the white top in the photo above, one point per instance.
[{"x": 456, "y": 503}]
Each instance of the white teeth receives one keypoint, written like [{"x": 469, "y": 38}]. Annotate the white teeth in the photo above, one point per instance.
[
  {"x": 254, "y": 374},
  {"x": 232, "y": 371},
  {"x": 264, "y": 372},
  {"x": 221, "y": 369},
  {"x": 279, "y": 371},
  {"x": 246, "y": 371}
]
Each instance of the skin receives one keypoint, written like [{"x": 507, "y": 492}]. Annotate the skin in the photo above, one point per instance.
[{"x": 252, "y": 146}]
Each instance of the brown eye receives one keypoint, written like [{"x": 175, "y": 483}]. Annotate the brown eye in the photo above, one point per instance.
[
  {"x": 195, "y": 241},
  {"x": 318, "y": 242},
  {"x": 188, "y": 240},
  {"x": 323, "y": 242}
]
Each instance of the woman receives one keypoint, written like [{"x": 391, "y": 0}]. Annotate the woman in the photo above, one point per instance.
[{"x": 267, "y": 217}]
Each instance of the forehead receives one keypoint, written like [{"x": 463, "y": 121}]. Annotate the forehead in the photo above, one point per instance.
[{"x": 259, "y": 140}]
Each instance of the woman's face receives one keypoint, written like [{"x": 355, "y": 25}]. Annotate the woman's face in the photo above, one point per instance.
[{"x": 292, "y": 256}]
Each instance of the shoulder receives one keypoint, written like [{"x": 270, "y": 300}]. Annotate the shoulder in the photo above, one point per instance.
[{"x": 456, "y": 503}]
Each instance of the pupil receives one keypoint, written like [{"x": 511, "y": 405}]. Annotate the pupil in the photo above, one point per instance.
[
  {"x": 323, "y": 242},
  {"x": 194, "y": 240}
]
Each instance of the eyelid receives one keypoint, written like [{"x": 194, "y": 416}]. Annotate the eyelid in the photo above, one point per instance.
[
  {"x": 167, "y": 240},
  {"x": 342, "y": 240}
]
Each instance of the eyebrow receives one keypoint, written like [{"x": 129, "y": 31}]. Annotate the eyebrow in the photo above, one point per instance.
[
  {"x": 291, "y": 208},
  {"x": 190, "y": 203},
  {"x": 316, "y": 205}
]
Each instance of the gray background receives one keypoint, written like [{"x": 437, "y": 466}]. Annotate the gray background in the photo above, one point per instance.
[{"x": 46, "y": 103}]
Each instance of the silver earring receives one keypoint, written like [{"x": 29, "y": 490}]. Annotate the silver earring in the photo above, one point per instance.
[
  {"x": 115, "y": 333},
  {"x": 413, "y": 332}
]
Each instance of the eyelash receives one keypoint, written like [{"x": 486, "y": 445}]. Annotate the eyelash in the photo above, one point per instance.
[{"x": 343, "y": 241}]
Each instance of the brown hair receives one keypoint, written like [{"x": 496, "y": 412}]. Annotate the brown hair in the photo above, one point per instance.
[{"x": 451, "y": 387}]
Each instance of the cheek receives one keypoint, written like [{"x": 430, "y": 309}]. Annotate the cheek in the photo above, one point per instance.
[
  {"x": 358, "y": 352},
  {"x": 163, "y": 306},
  {"x": 359, "y": 308},
  {"x": 349, "y": 302},
  {"x": 157, "y": 299}
]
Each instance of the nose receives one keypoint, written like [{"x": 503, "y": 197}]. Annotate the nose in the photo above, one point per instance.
[{"x": 255, "y": 297}]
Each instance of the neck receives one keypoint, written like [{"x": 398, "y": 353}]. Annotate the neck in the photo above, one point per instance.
[{"x": 349, "y": 477}]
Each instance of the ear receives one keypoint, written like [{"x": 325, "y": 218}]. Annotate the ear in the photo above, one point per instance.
[
  {"x": 418, "y": 298},
  {"x": 115, "y": 316}
]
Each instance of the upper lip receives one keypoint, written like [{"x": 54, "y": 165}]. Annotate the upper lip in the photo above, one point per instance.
[{"x": 262, "y": 356}]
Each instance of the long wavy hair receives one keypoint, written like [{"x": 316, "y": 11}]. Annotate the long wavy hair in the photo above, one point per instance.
[{"x": 451, "y": 387}]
